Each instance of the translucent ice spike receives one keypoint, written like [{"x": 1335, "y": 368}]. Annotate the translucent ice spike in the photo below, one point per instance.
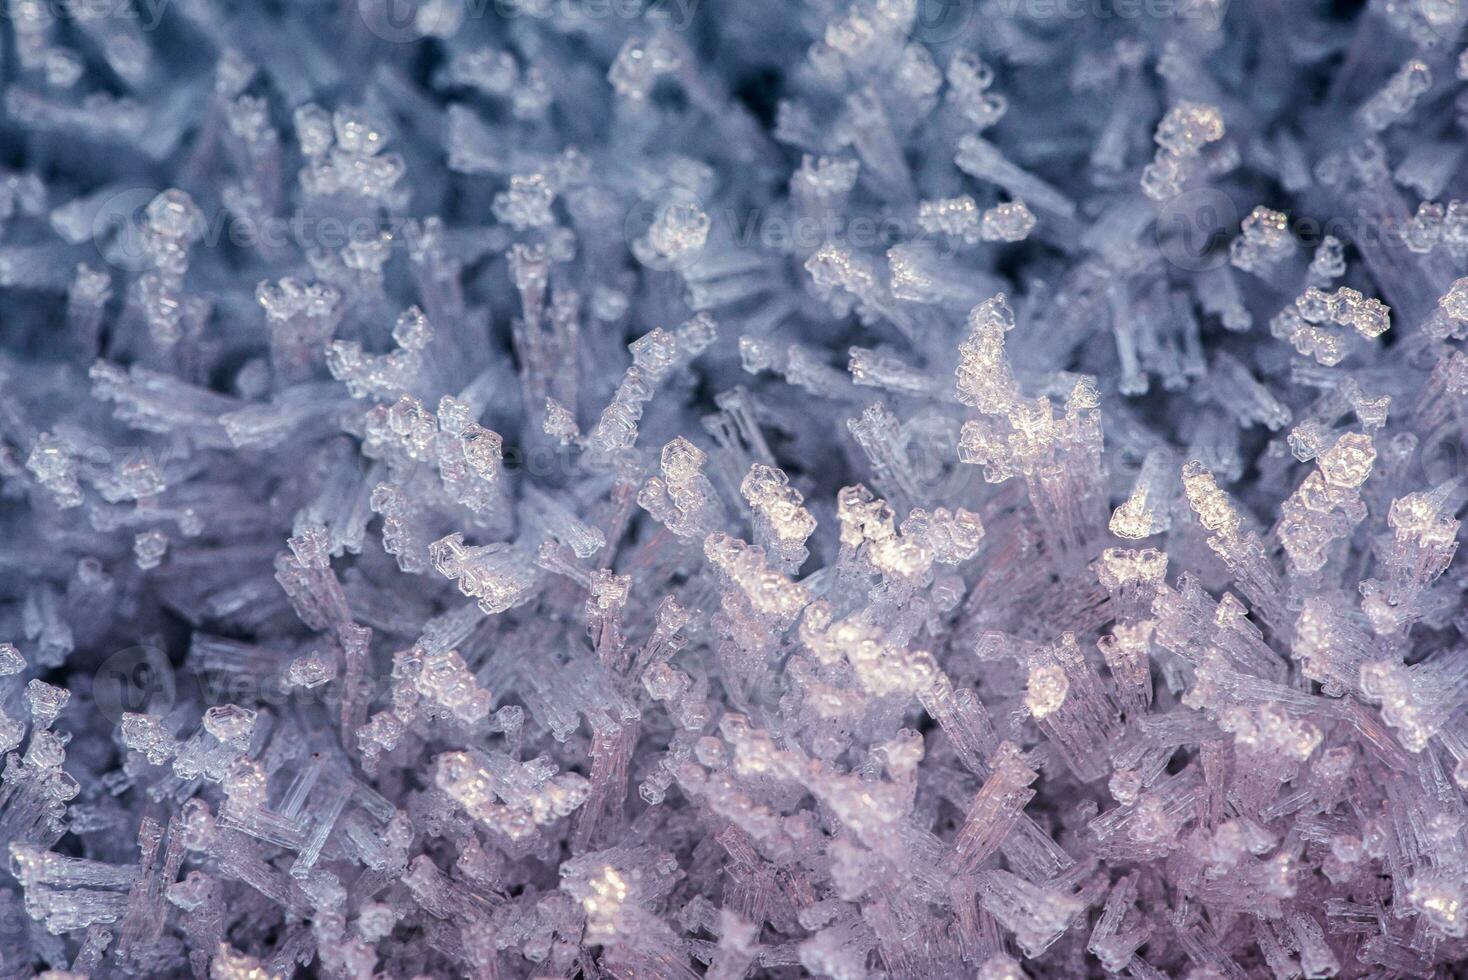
[
  {"x": 1416, "y": 700},
  {"x": 1332, "y": 643},
  {"x": 802, "y": 366},
  {"x": 1264, "y": 242},
  {"x": 1238, "y": 391},
  {"x": 67, "y": 893},
  {"x": 172, "y": 224},
  {"x": 868, "y": 125},
  {"x": 1423, "y": 543},
  {"x": 611, "y": 757},
  {"x": 45, "y": 702},
  {"x": 510, "y": 797},
  {"x": 952, "y": 537},
  {"x": 305, "y": 574},
  {"x": 1067, "y": 700},
  {"x": 879, "y": 667},
  {"x": 821, "y": 184},
  {"x": 654, "y": 356},
  {"x": 498, "y": 575},
  {"x": 86, "y": 299},
  {"x": 135, "y": 477},
  {"x": 1444, "y": 392},
  {"x": 301, "y": 318},
  {"x": 527, "y": 204},
  {"x": 158, "y": 402},
  {"x": 1240, "y": 549},
  {"x": 1327, "y": 506},
  {"x": 639, "y": 64},
  {"x": 1347, "y": 308},
  {"x": 1181, "y": 136},
  {"x": 449, "y": 689},
  {"x": 560, "y": 423},
  {"x": 782, "y": 523},
  {"x": 1132, "y": 576},
  {"x": 1127, "y": 651},
  {"x": 470, "y": 461},
  {"x": 677, "y": 236},
  {"x": 346, "y": 157},
  {"x": 388, "y": 376},
  {"x": 1036, "y": 915},
  {"x": 1148, "y": 510},
  {"x": 324, "y": 816},
  {"x": 35, "y": 866},
  {"x": 969, "y": 80},
  {"x": 994, "y": 810},
  {"x": 401, "y": 520},
  {"x": 121, "y": 41},
  {"x": 985, "y": 380},
  {"x": 957, "y": 217},
  {"x": 11, "y": 660},
  {"x": 682, "y": 499},
  {"x": 982, "y": 159},
  {"x": 769, "y": 594},
  {"x": 553, "y": 517},
  {"x": 1397, "y": 98},
  {"x": 1010, "y": 222},
  {"x": 1113, "y": 944},
  {"x": 847, "y": 280},
  {"x": 1450, "y": 319},
  {"x": 145, "y": 919},
  {"x": 223, "y": 738},
  {"x": 920, "y": 271},
  {"x": 880, "y": 369},
  {"x": 879, "y": 434},
  {"x": 54, "y": 468},
  {"x": 965, "y": 721},
  {"x": 1424, "y": 231}
]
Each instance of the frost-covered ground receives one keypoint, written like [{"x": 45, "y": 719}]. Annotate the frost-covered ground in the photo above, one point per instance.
[{"x": 733, "y": 488}]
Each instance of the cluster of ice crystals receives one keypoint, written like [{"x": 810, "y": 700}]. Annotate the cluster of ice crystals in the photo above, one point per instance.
[
  {"x": 1181, "y": 136},
  {"x": 846, "y": 488}
]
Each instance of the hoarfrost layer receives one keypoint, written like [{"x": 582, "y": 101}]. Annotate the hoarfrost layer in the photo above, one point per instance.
[{"x": 669, "y": 490}]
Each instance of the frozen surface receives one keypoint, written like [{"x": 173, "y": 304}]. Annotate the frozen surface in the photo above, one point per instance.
[{"x": 661, "y": 489}]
